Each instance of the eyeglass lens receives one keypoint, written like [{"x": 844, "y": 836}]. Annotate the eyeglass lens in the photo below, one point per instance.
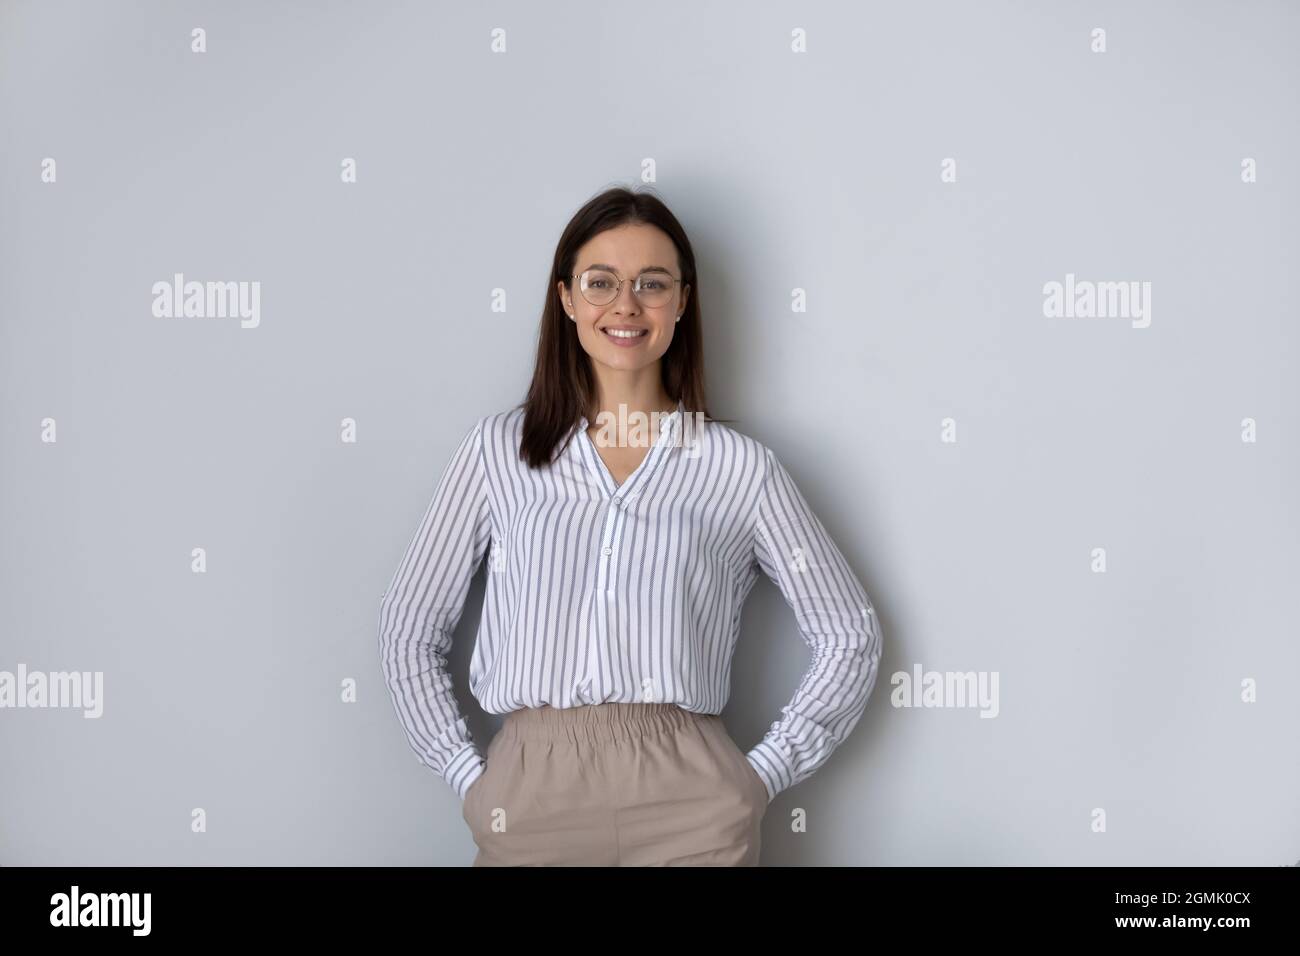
[{"x": 601, "y": 288}]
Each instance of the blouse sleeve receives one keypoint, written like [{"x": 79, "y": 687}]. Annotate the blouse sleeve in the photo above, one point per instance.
[
  {"x": 835, "y": 619},
  {"x": 420, "y": 610}
]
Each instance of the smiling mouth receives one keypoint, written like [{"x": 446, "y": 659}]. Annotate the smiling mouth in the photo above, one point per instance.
[{"x": 626, "y": 335}]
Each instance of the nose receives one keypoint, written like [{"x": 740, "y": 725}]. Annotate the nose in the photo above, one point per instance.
[{"x": 626, "y": 300}]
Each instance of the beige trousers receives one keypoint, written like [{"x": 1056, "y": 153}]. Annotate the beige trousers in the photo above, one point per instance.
[{"x": 615, "y": 784}]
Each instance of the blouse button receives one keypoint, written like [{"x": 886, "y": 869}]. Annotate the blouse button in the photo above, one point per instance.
[{"x": 608, "y": 551}]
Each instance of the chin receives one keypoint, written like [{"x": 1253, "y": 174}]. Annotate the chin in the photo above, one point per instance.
[{"x": 624, "y": 363}]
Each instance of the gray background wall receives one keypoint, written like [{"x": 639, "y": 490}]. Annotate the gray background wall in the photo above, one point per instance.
[{"x": 817, "y": 171}]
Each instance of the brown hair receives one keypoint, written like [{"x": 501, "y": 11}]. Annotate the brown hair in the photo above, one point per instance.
[{"x": 563, "y": 386}]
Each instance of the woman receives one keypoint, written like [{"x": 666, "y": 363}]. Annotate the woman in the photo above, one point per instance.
[{"x": 618, "y": 562}]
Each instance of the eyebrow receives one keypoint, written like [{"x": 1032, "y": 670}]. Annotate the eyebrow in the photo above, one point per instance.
[{"x": 606, "y": 266}]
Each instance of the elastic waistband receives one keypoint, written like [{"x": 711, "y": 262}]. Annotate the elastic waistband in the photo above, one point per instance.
[{"x": 591, "y": 722}]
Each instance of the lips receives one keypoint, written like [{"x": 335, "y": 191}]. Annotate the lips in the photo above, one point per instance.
[{"x": 625, "y": 335}]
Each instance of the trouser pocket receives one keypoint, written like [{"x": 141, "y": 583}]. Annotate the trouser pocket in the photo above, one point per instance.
[{"x": 738, "y": 768}]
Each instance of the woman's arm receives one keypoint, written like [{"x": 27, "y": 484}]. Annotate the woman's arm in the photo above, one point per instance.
[
  {"x": 835, "y": 619},
  {"x": 420, "y": 610}
]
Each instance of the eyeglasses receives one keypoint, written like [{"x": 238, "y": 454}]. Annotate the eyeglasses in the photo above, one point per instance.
[{"x": 601, "y": 287}]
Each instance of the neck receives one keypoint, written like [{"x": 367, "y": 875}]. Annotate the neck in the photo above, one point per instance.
[{"x": 635, "y": 392}]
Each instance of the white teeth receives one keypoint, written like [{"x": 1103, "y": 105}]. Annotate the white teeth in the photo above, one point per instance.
[{"x": 624, "y": 333}]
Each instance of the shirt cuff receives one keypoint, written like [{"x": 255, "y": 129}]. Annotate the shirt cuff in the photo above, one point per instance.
[
  {"x": 767, "y": 763},
  {"x": 464, "y": 769}
]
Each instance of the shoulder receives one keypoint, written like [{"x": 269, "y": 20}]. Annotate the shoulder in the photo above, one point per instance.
[
  {"x": 505, "y": 422},
  {"x": 746, "y": 455},
  {"x": 499, "y": 432}
]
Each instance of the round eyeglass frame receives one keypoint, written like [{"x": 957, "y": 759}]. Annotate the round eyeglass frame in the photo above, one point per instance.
[{"x": 618, "y": 290}]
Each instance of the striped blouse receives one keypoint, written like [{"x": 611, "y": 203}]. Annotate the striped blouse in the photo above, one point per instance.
[{"x": 599, "y": 591}]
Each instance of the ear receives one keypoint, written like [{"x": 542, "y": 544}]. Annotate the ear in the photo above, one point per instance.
[{"x": 560, "y": 290}]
